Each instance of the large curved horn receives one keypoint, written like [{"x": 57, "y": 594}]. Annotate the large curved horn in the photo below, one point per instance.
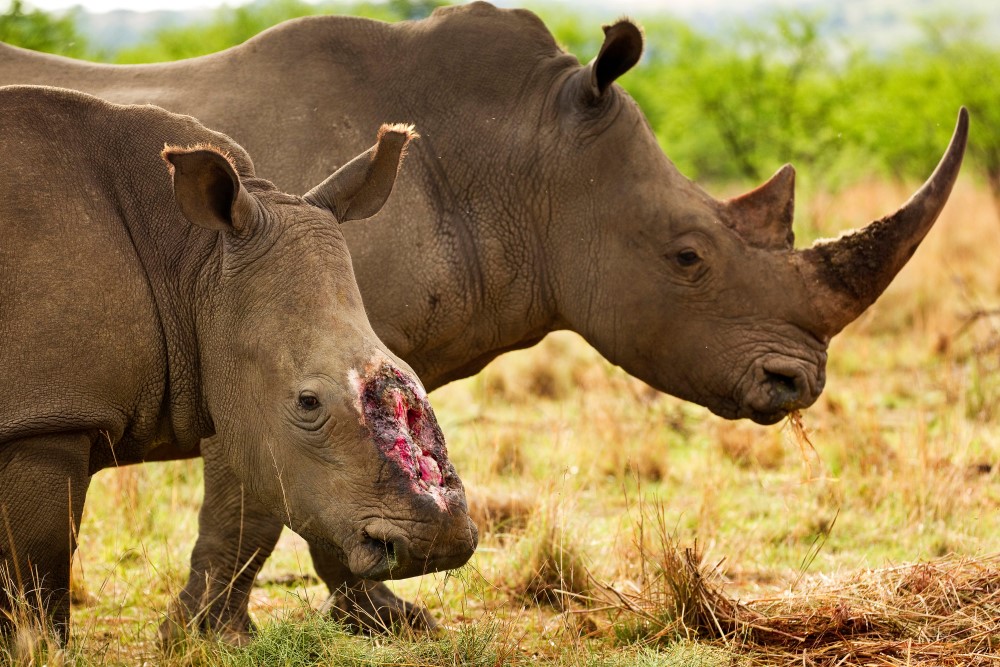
[{"x": 847, "y": 274}]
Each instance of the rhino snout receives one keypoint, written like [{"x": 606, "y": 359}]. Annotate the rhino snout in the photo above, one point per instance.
[
  {"x": 428, "y": 528},
  {"x": 781, "y": 386},
  {"x": 386, "y": 552},
  {"x": 379, "y": 553}
]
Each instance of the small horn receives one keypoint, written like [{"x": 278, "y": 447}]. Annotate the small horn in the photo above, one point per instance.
[
  {"x": 847, "y": 274},
  {"x": 763, "y": 217}
]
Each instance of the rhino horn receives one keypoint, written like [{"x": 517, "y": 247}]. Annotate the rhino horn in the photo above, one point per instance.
[
  {"x": 360, "y": 188},
  {"x": 847, "y": 274},
  {"x": 763, "y": 217}
]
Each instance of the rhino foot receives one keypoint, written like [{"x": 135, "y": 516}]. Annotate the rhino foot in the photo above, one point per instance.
[
  {"x": 370, "y": 607},
  {"x": 181, "y": 624}
]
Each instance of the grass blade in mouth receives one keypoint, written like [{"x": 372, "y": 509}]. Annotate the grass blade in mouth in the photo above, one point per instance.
[{"x": 802, "y": 440}]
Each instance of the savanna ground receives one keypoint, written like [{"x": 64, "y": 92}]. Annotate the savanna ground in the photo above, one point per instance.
[{"x": 621, "y": 526}]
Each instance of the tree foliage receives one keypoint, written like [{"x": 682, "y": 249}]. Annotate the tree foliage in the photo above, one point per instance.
[
  {"x": 40, "y": 31},
  {"x": 230, "y": 26},
  {"x": 956, "y": 63}
]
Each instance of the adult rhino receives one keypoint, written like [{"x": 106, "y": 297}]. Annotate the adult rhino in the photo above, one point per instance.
[
  {"x": 138, "y": 316},
  {"x": 538, "y": 199}
]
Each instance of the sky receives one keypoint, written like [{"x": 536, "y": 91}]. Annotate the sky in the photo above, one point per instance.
[
  {"x": 623, "y": 6},
  {"x": 108, "y": 5}
]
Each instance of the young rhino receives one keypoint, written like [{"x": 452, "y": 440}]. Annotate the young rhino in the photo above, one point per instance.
[{"x": 138, "y": 317}]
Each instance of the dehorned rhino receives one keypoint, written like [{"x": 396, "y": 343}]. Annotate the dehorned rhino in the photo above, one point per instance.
[
  {"x": 142, "y": 308},
  {"x": 538, "y": 199}
]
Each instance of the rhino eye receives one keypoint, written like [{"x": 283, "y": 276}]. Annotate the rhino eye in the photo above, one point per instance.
[
  {"x": 688, "y": 258},
  {"x": 308, "y": 402}
]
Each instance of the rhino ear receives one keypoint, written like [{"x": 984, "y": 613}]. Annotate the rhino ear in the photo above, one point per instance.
[
  {"x": 207, "y": 188},
  {"x": 620, "y": 52},
  {"x": 763, "y": 217},
  {"x": 360, "y": 188}
]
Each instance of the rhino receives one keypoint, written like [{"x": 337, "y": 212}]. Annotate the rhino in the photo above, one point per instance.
[
  {"x": 146, "y": 305},
  {"x": 538, "y": 199}
]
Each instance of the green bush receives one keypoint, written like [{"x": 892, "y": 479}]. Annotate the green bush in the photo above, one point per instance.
[{"x": 41, "y": 32}]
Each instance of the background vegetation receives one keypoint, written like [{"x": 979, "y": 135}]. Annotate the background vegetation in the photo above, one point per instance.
[{"x": 592, "y": 490}]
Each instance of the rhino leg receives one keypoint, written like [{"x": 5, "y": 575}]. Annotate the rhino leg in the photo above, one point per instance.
[
  {"x": 366, "y": 606},
  {"x": 44, "y": 481},
  {"x": 235, "y": 536}
]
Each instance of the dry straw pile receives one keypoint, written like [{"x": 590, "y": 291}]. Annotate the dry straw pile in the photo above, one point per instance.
[{"x": 942, "y": 612}]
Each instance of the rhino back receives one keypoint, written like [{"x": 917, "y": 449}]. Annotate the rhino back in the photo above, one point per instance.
[
  {"x": 246, "y": 91},
  {"x": 83, "y": 338},
  {"x": 456, "y": 244}
]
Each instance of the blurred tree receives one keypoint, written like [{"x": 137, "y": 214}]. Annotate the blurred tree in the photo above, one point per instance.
[
  {"x": 966, "y": 65},
  {"x": 228, "y": 27},
  {"x": 40, "y": 31},
  {"x": 574, "y": 34},
  {"x": 767, "y": 92},
  {"x": 231, "y": 26},
  {"x": 904, "y": 104},
  {"x": 415, "y": 9},
  {"x": 739, "y": 105}
]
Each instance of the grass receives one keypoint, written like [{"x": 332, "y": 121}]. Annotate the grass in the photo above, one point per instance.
[{"x": 657, "y": 533}]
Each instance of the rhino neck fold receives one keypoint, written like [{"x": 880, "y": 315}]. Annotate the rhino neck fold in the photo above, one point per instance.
[
  {"x": 174, "y": 264},
  {"x": 474, "y": 286},
  {"x": 185, "y": 415}
]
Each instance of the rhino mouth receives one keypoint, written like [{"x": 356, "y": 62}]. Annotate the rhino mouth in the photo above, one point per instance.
[
  {"x": 376, "y": 556},
  {"x": 396, "y": 412},
  {"x": 776, "y": 386},
  {"x": 734, "y": 410},
  {"x": 384, "y": 550},
  {"x": 768, "y": 418}
]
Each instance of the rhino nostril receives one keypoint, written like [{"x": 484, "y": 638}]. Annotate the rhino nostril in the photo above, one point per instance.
[
  {"x": 385, "y": 548},
  {"x": 786, "y": 385},
  {"x": 393, "y": 550}
]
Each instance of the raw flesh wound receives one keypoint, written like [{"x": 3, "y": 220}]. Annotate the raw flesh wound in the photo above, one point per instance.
[{"x": 396, "y": 411}]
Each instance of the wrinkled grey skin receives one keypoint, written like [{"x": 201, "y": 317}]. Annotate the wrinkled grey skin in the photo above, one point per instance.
[
  {"x": 538, "y": 199},
  {"x": 148, "y": 303}
]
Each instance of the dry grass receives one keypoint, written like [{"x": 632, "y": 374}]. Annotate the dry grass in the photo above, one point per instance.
[
  {"x": 750, "y": 446},
  {"x": 33, "y": 642},
  {"x": 942, "y": 612},
  {"x": 497, "y": 512},
  {"x": 673, "y": 597},
  {"x": 945, "y": 612},
  {"x": 507, "y": 456},
  {"x": 548, "y": 565}
]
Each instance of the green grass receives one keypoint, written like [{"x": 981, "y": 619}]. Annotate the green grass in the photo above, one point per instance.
[{"x": 562, "y": 453}]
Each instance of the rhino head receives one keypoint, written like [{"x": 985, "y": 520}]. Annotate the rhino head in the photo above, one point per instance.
[
  {"x": 318, "y": 419},
  {"x": 707, "y": 300}
]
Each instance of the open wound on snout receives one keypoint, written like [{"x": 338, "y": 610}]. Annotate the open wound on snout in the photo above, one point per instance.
[{"x": 395, "y": 411}]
